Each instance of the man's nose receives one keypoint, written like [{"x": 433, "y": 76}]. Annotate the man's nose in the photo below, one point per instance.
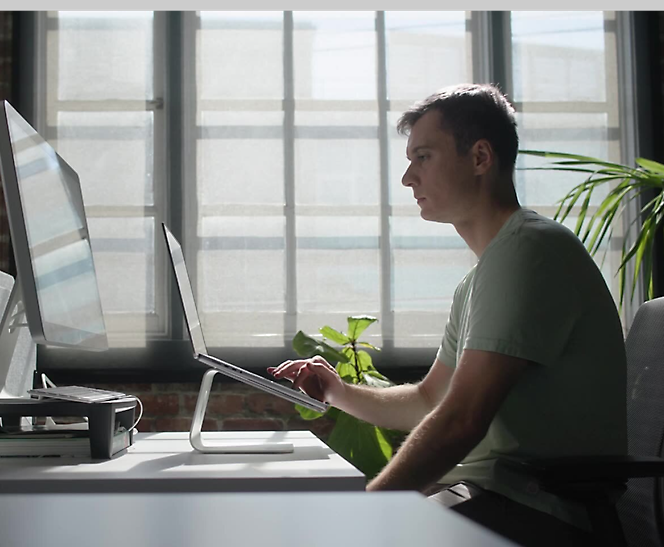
[{"x": 407, "y": 179}]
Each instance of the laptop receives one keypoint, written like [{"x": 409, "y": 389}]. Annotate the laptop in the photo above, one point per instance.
[{"x": 198, "y": 343}]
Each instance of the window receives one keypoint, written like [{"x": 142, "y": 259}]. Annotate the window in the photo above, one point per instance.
[{"x": 267, "y": 141}]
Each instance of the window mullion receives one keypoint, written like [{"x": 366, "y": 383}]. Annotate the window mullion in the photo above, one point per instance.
[
  {"x": 629, "y": 138},
  {"x": 180, "y": 137},
  {"x": 290, "y": 322},
  {"x": 386, "y": 274}
]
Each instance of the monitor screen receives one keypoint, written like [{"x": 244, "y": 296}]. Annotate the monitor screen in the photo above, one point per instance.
[{"x": 49, "y": 232}]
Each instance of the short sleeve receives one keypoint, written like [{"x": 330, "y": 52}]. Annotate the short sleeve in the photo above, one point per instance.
[{"x": 447, "y": 353}]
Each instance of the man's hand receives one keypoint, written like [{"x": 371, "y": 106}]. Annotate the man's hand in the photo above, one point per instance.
[{"x": 315, "y": 376}]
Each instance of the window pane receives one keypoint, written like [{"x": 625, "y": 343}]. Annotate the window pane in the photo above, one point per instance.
[
  {"x": 240, "y": 162},
  {"x": 585, "y": 134},
  {"x": 426, "y": 50},
  {"x": 113, "y": 153},
  {"x": 558, "y": 56},
  {"x": 241, "y": 280},
  {"x": 336, "y": 172},
  {"x": 124, "y": 261},
  {"x": 101, "y": 55},
  {"x": 334, "y": 55},
  {"x": 240, "y": 55},
  {"x": 242, "y": 264},
  {"x": 102, "y": 117}
]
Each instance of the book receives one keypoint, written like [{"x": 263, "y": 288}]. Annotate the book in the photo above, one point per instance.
[{"x": 62, "y": 441}]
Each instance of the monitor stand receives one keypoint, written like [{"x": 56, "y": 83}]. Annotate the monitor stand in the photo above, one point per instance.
[{"x": 219, "y": 447}]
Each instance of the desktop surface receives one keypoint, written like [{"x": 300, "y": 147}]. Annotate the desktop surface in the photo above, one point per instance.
[
  {"x": 166, "y": 462},
  {"x": 295, "y": 519}
]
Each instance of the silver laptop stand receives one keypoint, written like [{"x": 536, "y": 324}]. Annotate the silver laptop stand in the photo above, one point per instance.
[{"x": 196, "y": 439}]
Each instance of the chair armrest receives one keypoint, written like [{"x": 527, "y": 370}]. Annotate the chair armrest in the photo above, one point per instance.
[{"x": 578, "y": 469}]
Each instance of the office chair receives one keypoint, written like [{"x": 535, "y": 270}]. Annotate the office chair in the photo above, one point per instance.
[{"x": 624, "y": 495}]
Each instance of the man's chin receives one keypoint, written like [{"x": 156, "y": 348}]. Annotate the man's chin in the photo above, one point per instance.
[
  {"x": 426, "y": 215},
  {"x": 431, "y": 217}
]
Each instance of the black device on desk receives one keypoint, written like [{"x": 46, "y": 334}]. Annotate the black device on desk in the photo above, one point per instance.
[{"x": 109, "y": 423}]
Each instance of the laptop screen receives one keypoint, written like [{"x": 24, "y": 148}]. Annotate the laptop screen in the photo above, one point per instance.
[{"x": 186, "y": 293}]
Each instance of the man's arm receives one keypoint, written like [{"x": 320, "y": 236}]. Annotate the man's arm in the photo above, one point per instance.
[
  {"x": 459, "y": 422},
  {"x": 398, "y": 407}
]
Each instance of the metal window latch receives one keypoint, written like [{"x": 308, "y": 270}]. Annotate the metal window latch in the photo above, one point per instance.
[{"x": 155, "y": 104}]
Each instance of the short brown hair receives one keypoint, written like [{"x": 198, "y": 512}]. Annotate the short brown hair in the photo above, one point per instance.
[{"x": 471, "y": 112}]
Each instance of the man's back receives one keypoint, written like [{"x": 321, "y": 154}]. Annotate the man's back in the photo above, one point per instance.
[{"x": 536, "y": 294}]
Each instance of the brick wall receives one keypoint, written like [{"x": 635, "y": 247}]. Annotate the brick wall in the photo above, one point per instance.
[{"x": 232, "y": 406}]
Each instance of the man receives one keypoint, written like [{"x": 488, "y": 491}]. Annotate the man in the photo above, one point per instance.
[{"x": 532, "y": 360}]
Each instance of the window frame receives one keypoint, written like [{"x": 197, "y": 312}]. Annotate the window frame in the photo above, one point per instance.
[{"x": 169, "y": 356}]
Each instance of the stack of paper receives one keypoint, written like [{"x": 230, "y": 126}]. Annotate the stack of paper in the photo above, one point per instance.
[{"x": 59, "y": 440}]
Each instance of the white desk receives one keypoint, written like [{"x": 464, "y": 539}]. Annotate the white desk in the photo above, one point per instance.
[
  {"x": 328, "y": 519},
  {"x": 166, "y": 462}
]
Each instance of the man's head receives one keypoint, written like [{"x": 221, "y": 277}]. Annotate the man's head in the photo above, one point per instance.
[
  {"x": 462, "y": 146},
  {"x": 471, "y": 112}
]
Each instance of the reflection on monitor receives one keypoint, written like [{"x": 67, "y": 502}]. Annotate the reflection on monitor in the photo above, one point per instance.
[{"x": 49, "y": 232}]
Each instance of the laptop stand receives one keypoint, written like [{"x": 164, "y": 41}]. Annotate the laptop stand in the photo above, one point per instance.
[{"x": 196, "y": 439}]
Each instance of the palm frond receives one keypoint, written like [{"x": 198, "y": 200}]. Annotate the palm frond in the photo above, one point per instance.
[{"x": 594, "y": 225}]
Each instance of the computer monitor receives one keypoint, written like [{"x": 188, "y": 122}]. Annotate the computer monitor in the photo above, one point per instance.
[{"x": 56, "y": 280}]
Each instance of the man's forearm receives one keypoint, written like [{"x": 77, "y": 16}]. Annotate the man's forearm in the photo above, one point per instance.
[
  {"x": 398, "y": 407},
  {"x": 430, "y": 451}
]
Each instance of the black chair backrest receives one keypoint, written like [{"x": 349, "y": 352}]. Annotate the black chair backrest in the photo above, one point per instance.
[{"x": 641, "y": 507}]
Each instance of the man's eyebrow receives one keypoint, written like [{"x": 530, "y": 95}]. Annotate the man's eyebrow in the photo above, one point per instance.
[{"x": 418, "y": 148}]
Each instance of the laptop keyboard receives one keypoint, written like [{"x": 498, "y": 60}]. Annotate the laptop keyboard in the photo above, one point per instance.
[{"x": 78, "y": 393}]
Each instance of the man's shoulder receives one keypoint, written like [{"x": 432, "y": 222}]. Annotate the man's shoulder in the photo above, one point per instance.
[
  {"x": 534, "y": 225},
  {"x": 532, "y": 233}
]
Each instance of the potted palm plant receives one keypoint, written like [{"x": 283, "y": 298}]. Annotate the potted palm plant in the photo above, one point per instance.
[{"x": 625, "y": 184}]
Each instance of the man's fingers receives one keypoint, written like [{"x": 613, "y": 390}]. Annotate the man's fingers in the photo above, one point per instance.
[
  {"x": 281, "y": 369},
  {"x": 290, "y": 369}
]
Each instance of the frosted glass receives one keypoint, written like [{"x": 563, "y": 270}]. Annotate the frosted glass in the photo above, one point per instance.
[
  {"x": 240, "y": 55},
  {"x": 113, "y": 153},
  {"x": 123, "y": 251},
  {"x": 242, "y": 266},
  {"x": 334, "y": 55},
  {"x": 558, "y": 56},
  {"x": 111, "y": 52},
  {"x": 426, "y": 50}
]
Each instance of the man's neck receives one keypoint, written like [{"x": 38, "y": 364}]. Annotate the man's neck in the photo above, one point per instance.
[{"x": 484, "y": 224}]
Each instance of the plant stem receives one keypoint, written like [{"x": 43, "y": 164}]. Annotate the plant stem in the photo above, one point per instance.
[{"x": 356, "y": 364}]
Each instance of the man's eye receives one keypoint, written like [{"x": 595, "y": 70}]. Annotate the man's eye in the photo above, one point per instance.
[{"x": 422, "y": 158}]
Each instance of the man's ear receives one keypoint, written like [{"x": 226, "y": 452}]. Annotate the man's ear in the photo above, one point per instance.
[{"x": 483, "y": 156}]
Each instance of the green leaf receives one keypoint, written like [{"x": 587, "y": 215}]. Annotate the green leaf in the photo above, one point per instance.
[
  {"x": 357, "y": 324},
  {"x": 306, "y": 346},
  {"x": 364, "y": 361},
  {"x": 335, "y": 335},
  {"x": 307, "y": 413},
  {"x": 650, "y": 165},
  {"x": 362, "y": 444},
  {"x": 367, "y": 345},
  {"x": 374, "y": 378},
  {"x": 575, "y": 159},
  {"x": 348, "y": 372},
  {"x": 359, "y": 360}
]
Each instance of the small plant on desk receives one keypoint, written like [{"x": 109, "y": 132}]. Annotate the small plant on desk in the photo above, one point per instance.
[{"x": 366, "y": 446}]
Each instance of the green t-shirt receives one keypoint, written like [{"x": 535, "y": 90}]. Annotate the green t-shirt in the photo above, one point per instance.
[{"x": 537, "y": 294}]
